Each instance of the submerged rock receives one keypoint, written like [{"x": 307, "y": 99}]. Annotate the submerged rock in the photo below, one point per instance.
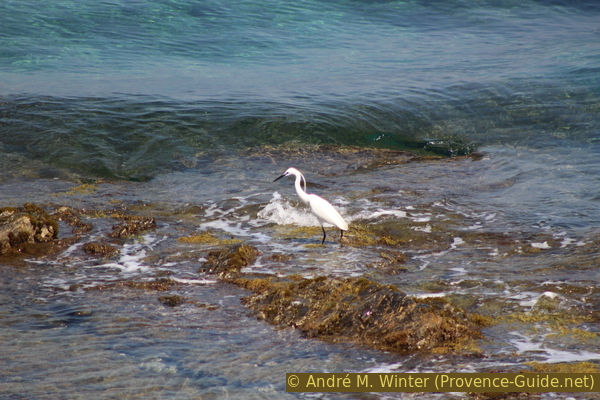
[
  {"x": 20, "y": 226},
  {"x": 159, "y": 285},
  {"x": 171, "y": 301},
  {"x": 100, "y": 249},
  {"x": 73, "y": 218},
  {"x": 228, "y": 262},
  {"x": 361, "y": 311},
  {"x": 349, "y": 310},
  {"x": 131, "y": 225}
]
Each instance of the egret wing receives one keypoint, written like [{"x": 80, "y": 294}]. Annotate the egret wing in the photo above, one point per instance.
[{"x": 325, "y": 212}]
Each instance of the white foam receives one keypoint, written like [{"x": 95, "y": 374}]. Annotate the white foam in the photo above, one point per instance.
[
  {"x": 428, "y": 295},
  {"x": 551, "y": 295},
  {"x": 132, "y": 256},
  {"x": 57, "y": 283},
  {"x": 456, "y": 242},
  {"x": 235, "y": 228},
  {"x": 195, "y": 281},
  {"x": 384, "y": 369},
  {"x": 71, "y": 249},
  {"x": 566, "y": 241},
  {"x": 426, "y": 228},
  {"x": 525, "y": 344},
  {"x": 395, "y": 213},
  {"x": 477, "y": 225},
  {"x": 420, "y": 218},
  {"x": 530, "y": 299},
  {"x": 282, "y": 212},
  {"x": 543, "y": 246}
]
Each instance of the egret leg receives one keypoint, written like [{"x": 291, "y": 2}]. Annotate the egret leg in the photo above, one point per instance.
[
  {"x": 324, "y": 234},
  {"x": 341, "y": 234}
]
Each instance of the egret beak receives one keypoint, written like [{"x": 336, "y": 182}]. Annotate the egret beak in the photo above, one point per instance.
[{"x": 282, "y": 176}]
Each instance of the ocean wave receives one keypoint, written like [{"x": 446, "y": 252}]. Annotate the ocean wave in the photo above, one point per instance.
[{"x": 138, "y": 137}]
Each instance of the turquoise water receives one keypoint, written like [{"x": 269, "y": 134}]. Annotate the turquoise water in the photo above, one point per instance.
[
  {"x": 125, "y": 82},
  {"x": 188, "y": 110}
]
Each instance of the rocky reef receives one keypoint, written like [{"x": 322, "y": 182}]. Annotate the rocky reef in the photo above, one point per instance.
[
  {"x": 29, "y": 229},
  {"x": 228, "y": 262},
  {"x": 22, "y": 227},
  {"x": 361, "y": 311},
  {"x": 356, "y": 310},
  {"x": 131, "y": 225}
]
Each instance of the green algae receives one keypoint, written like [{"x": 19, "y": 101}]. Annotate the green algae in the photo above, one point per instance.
[
  {"x": 576, "y": 333},
  {"x": 83, "y": 189},
  {"x": 368, "y": 235},
  {"x": 556, "y": 319},
  {"x": 564, "y": 368},
  {"x": 207, "y": 238}
]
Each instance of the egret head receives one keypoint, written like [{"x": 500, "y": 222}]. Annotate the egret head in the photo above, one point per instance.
[
  {"x": 288, "y": 172},
  {"x": 295, "y": 172}
]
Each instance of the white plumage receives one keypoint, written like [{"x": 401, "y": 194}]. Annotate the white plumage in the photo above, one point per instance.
[{"x": 320, "y": 207}]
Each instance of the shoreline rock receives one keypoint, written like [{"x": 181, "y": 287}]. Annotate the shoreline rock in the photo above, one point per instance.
[
  {"x": 361, "y": 311},
  {"x": 131, "y": 225},
  {"x": 20, "y": 227},
  {"x": 348, "y": 310},
  {"x": 227, "y": 263}
]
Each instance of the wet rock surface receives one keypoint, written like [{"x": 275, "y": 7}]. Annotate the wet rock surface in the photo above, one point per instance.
[
  {"x": 100, "y": 249},
  {"x": 228, "y": 262},
  {"x": 20, "y": 227},
  {"x": 355, "y": 310},
  {"x": 361, "y": 311},
  {"x": 351, "y": 310},
  {"x": 131, "y": 225},
  {"x": 345, "y": 158},
  {"x": 73, "y": 218},
  {"x": 171, "y": 300}
]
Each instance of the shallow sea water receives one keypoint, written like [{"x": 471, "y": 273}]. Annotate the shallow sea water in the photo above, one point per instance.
[{"x": 503, "y": 260}]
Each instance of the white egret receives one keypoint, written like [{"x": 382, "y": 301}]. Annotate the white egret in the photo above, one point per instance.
[{"x": 320, "y": 207}]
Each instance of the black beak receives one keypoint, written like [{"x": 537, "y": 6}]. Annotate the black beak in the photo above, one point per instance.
[{"x": 284, "y": 175}]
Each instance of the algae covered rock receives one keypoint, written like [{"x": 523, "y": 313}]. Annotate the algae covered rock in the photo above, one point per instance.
[
  {"x": 100, "y": 249},
  {"x": 25, "y": 225},
  {"x": 131, "y": 225},
  {"x": 361, "y": 311},
  {"x": 73, "y": 218},
  {"x": 228, "y": 262},
  {"x": 172, "y": 300},
  {"x": 354, "y": 310}
]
